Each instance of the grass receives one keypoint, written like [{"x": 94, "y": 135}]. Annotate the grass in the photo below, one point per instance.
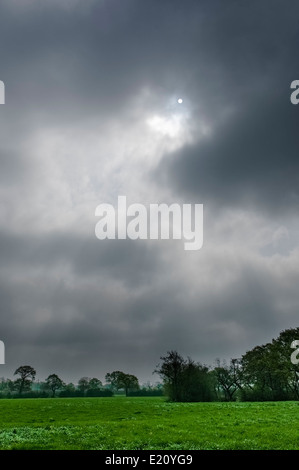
[{"x": 146, "y": 423}]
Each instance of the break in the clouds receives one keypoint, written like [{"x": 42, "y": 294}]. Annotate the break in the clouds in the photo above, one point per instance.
[{"x": 91, "y": 113}]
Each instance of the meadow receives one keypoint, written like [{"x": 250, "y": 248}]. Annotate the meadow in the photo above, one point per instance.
[{"x": 120, "y": 423}]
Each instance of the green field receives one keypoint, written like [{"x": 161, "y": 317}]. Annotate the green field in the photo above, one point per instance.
[{"x": 146, "y": 423}]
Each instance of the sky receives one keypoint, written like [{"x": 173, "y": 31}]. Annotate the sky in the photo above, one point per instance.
[{"x": 91, "y": 113}]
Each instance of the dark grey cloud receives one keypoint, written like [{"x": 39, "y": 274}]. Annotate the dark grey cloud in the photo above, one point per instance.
[
  {"x": 82, "y": 80},
  {"x": 250, "y": 156},
  {"x": 251, "y": 159}
]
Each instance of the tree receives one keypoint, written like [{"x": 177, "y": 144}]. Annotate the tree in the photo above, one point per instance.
[
  {"x": 289, "y": 372},
  {"x": 6, "y": 387},
  {"x": 228, "y": 378},
  {"x": 184, "y": 380},
  {"x": 54, "y": 383},
  {"x": 259, "y": 373},
  {"x": 69, "y": 390},
  {"x": 268, "y": 370},
  {"x": 171, "y": 372},
  {"x": 130, "y": 382},
  {"x": 94, "y": 388},
  {"x": 119, "y": 380},
  {"x": 83, "y": 384},
  {"x": 195, "y": 382},
  {"x": 27, "y": 375},
  {"x": 94, "y": 384}
]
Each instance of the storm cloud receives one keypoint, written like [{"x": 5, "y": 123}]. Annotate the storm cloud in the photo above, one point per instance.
[{"x": 91, "y": 113}]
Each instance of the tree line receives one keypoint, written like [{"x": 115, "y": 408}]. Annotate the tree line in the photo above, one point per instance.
[
  {"x": 265, "y": 373},
  {"x": 117, "y": 381}
]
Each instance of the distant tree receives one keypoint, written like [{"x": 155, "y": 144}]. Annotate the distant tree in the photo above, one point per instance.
[
  {"x": 94, "y": 384},
  {"x": 184, "y": 380},
  {"x": 148, "y": 389},
  {"x": 130, "y": 382},
  {"x": 228, "y": 378},
  {"x": 69, "y": 390},
  {"x": 113, "y": 379},
  {"x": 27, "y": 375},
  {"x": 83, "y": 384},
  {"x": 70, "y": 387},
  {"x": 289, "y": 372},
  {"x": 6, "y": 387},
  {"x": 195, "y": 382},
  {"x": 258, "y": 373},
  {"x": 95, "y": 388},
  {"x": 21, "y": 386},
  {"x": 159, "y": 386},
  {"x": 171, "y": 371},
  {"x": 54, "y": 383},
  {"x": 119, "y": 380},
  {"x": 268, "y": 372}
]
